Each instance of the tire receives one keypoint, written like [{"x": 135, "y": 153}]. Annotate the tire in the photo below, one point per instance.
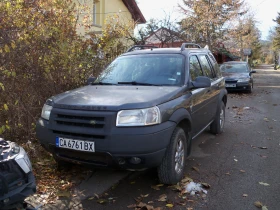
[
  {"x": 217, "y": 126},
  {"x": 250, "y": 88},
  {"x": 171, "y": 169}
]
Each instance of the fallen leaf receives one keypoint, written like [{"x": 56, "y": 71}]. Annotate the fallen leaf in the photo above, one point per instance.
[
  {"x": 155, "y": 187},
  {"x": 169, "y": 205},
  {"x": 242, "y": 171},
  {"x": 262, "y": 183},
  {"x": 64, "y": 194},
  {"x": 149, "y": 202},
  {"x": 258, "y": 204},
  {"x": 264, "y": 208},
  {"x": 265, "y": 119},
  {"x": 206, "y": 185},
  {"x": 131, "y": 206},
  {"x": 144, "y": 196},
  {"x": 228, "y": 173},
  {"x": 91, "y": 198},
  {"x": 132, "y": 182},
  {"x": 175, "y": 187},
  {"x": 162, "y": 198},
  {"x": 101, "y": 201},
  {"x": 245, "y": 195},
  {"x": 96, "y": 195},
  {"x": 160, "y": 185},
  {"x": 195, "y": 168},
  {"x": 186, "y": 179},
  {"x": 189, "y": 208},
  {"x": 235, "y": 160}
]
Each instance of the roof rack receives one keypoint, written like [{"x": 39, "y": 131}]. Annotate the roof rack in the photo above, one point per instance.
[
  {"x": 185, "y": 45},
  {"x": 140, "y": 47}
]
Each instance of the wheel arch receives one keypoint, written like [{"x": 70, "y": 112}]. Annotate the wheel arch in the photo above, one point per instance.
[{"x": 183, "y": 120}]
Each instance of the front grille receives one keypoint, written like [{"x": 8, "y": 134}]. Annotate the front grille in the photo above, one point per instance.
[
  {"x": 11, "y": 177},
  {"x": 101, "y": 159},
  {"x": 231, "y": 81},
  {"x": 80, "y": 121},
  {"x": 88, "y": 125}
]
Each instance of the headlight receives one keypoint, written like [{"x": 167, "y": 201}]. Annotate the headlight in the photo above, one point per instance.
[
  {"x": 46, "y": 111},
  {"x": 138, "y": 117},
  {"x": 23, "y": 161},
  {"x": 244, "y": 80}
]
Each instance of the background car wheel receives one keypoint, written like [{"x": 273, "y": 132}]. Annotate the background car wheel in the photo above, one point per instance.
[
  {"x": 250, "y": 88},
  {"x": 217, "y": 126},
  {"x": 171, "y": 170}
]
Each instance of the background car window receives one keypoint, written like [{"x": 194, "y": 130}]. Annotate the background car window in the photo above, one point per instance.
[
  {"x": 195, "y": 69},
  {"x": 206, "y": 66},
  {"x": 235, "y": 68}
]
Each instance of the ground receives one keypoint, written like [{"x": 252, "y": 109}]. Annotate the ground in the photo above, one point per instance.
[{"x": 239, "y": 168}]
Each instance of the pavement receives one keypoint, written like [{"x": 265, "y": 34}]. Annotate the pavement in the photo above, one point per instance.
[{"x": 241, "y": 165}]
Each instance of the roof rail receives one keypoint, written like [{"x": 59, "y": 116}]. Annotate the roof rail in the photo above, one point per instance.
[
  {"x": 184, "y": 46},
  {"x": 141, "y": 47}
]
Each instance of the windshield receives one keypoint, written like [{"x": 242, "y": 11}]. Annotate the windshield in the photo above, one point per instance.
[
  {"x": 234, "y": 68},
  {"x": 156, "y": 69}
]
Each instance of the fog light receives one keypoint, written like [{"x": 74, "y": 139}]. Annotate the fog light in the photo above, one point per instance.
[
  {"x": 121, "y": 161},
  {"x": 135, "y": 160}
]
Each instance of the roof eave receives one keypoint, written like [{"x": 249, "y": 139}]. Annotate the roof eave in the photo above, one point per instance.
[{"x": 135, "y": 11}]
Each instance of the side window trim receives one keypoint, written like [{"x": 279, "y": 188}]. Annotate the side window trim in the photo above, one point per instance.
[
  {"x": 211, "y": 67},
  {"x": 197, "y": 58}
]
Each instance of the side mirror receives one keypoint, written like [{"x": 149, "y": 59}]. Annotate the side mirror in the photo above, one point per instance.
[
  {"x": 253, "y": 71},
  {"x": 201, "y": 82},
  {"x": 90, "y": 80}
]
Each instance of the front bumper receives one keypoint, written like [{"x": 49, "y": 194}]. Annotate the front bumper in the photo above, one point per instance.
[
  {"x": 116, "y": 147},
  {"x": 239, "y": 86},
  {"x": 15, "y": 197}
]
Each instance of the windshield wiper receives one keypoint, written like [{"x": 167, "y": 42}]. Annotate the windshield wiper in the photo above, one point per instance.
[
  {"x": 138, "y": 83},
  {"x": 102, "y": 83}
]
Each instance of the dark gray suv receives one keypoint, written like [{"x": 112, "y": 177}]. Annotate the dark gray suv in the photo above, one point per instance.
[{"x": 143, "y": 111}]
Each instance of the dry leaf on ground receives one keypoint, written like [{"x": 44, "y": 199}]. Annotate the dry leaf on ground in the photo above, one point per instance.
[{"x": 262, "y": 183}]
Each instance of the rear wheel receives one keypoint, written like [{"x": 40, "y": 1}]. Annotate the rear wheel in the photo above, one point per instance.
[
  {"x": 217, "y": 126},
  {"x": 171, "y": 170}
]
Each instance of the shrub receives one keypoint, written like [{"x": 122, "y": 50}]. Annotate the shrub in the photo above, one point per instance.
[{"x": 41, "y": 55}]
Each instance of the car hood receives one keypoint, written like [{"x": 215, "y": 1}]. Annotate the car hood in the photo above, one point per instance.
[
  {"x": 229, "y": 76},
  {"x": 116, "y": 97}
]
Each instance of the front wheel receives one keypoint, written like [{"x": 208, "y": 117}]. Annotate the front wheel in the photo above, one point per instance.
[
  {"x": 171, "y": 170},
  {"x": 217, "y": 126}
]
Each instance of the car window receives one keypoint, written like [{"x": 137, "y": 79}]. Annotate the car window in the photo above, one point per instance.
[
  {"x": 157, "y": 69},
  {"x": 235, "y": 68},
  {"x": 195, "y": 68},
  {"x": 206, "y": 66}
]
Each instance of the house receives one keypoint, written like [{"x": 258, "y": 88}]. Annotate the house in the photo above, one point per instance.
[
  {"x": 164, "y": 37},
  {"x": 93, "y": 13}
]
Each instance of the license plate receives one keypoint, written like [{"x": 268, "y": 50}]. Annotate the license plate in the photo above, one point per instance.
[
  {"x": 86, "y": 146},
  {"x": 230, "y": 85}
]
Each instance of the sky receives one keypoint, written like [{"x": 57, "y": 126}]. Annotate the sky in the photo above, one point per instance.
[{"x": 264, "y": 10}]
